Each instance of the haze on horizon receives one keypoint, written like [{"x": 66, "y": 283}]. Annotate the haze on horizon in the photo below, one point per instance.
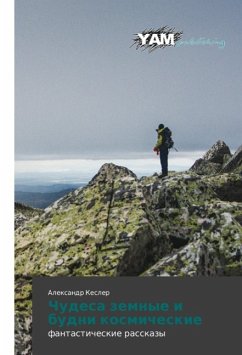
[
  {"x": 56, "y": 171},
  {"x": 81, "y": 89}
]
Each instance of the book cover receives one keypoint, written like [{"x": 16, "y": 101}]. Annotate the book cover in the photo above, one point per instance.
[{"x": 128, "y": 176}]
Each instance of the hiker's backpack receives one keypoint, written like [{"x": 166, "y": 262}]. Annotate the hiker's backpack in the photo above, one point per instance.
[{"x": 168, "y": 141}]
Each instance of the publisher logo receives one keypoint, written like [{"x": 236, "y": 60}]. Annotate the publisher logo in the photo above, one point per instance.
[
  {"x": 153, "y": 39},
  {"x": 168, "y": 37}
]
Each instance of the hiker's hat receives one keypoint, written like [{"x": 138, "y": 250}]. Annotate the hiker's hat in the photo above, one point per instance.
[{"x": 160, "y": 126}]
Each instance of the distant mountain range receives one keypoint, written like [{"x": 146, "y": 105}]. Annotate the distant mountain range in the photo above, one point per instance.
[
  {"x": 46, "y": 188},
  {"x": 42, "y": 196}
]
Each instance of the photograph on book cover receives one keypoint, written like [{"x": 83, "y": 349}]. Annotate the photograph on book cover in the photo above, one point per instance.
[{"x": 128, "y": 156}]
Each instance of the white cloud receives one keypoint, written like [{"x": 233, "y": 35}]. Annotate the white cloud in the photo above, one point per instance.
[{"x": 82, "y": 170}]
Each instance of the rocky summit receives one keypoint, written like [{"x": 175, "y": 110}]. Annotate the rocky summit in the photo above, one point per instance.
[
  {"x": 234, "y": 164},
  {"x": 214, "y": 159},
  {"x": 187, "y": 224}
]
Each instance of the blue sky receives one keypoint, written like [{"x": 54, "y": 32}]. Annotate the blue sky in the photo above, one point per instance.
[{"x": 81, "y": 89}]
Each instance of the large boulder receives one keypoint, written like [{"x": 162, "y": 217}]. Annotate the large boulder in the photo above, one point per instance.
[
  {"x": 234, "y": 164},
  {"x": 214, "y": 159},
  {"x": 205, "y": 167},
  {"x": 218, "y": 153}
]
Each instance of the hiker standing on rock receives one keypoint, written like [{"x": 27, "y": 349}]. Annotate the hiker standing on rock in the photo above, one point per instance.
[{"x": 163, "y": 144}]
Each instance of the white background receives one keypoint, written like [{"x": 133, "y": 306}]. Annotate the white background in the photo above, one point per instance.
[{"x": 6, "y": 180}]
